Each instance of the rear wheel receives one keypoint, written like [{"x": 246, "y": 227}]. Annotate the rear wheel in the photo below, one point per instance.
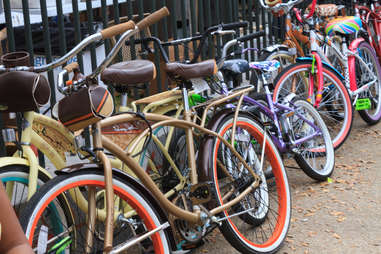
[
  {"x": 260, "y": 221},
  {"x": 134, "y": 215},
  {"x": 363, "y": 77},
  {"x": 15, "y": 180},
  {"x": 335, "y": 107}
]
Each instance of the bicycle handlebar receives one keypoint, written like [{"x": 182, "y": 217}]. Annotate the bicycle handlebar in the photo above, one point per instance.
[
  {"x": 251, "y": 36},
  {"x": 233, "y": 42},
  {"x": 286, "y": 7},
  {"x": 234, "y": 25},
  {"x": 117, "y": 29},
  {"x": 70, "y": 67},
  {"x": 153, "y": 18}
]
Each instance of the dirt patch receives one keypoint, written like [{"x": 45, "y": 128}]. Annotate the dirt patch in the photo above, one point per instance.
[{"x": 340, "y": 216}]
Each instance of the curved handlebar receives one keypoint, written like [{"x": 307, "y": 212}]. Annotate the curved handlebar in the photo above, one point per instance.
[
  {"x": 277, "y": 6},
  {"x": 153, "y": 18},
  {"x": 234, "y": 25},
  {"x": 251, "y": 36},
  {"x": 117, "y": 29},
  {"x": 233, "y": 42}
]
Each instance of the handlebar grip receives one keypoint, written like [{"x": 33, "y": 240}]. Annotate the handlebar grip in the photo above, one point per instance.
[
  {"x": 72, "y": 66},
  {"x": 235, "y": 25},
  {"x": 153, "y": 18},
  {"x": 251, "y": 36},
  {"x": 272, "y": 3},
  {"x": 117, "y": 29}
]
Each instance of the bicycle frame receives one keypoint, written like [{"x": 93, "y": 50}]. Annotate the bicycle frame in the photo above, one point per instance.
[
  {"x": 371, "y": 15},
  {"x": 347, "y": 58},
  {"x": 272, "y": 112}
]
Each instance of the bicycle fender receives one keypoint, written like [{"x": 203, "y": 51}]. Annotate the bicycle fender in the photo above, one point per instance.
[
  {"x": 325, "y": 64},
  {"x": 351, "y": 63},
  {"x": 7, "y": 161},
  {"x": 134, "y": 182}
]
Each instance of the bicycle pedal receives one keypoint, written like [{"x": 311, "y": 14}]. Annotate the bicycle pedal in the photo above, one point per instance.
[{"x": 363, "y": 104}]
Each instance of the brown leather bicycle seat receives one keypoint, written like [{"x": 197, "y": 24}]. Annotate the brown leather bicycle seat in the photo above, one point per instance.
[
  {"x": 188, "y": 71},
  {"x": 22, "y": 91},
  {"x": 129, "y": 73}
]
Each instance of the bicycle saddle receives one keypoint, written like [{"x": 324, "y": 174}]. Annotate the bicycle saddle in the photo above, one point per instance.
[
  {"x": 266, "y": 66},
  {"x": 129, "y": 73},
  {"x": 22, "y": 91},
  {"x": 188, "y": 71},
  {"x": 236, "y": 66},
  {"x": 345, "y": 25}
]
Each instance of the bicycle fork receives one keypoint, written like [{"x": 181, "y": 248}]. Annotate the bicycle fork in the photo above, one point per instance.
[{"x": 91, "y": 214}]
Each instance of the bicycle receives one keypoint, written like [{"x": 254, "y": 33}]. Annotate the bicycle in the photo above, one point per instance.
[
  {"x": 24, "y": 175},
  {"x": 224, "y": 172},
  {"x": 332, "y": 99},
  {"x": 294, "y": 125}
]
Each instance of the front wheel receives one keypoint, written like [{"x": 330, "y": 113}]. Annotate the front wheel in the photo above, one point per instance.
[
  {"x": 335, "y": 106},
  {"x": 260, "y": 221},
  {"x": 134, "y": 215},
  {"x": 316, "y": 155}
]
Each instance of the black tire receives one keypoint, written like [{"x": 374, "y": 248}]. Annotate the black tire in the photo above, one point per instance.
[
  {"x": 316, "y": 157},
  {"x": 373, "y": 115},
  {"x": 18, "y": 175},
  {"x": 278, "y": 207},
  {"x": 52, "y": 195},
  {"x": 335, "y": 98}
]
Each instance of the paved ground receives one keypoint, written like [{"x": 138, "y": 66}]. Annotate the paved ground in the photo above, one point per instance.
[{"x": 339, "y": 217}]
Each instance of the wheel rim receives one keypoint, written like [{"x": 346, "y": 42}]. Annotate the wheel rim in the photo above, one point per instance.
[
  {"x": 278, "y": 215},
  {"x": 127, "y": 197},
  {"x": 335, "y": 108}
]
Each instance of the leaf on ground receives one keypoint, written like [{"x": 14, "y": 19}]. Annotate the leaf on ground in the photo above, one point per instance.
[
  {"x": 341, "y": 219},
  {"x": 305, "y": 244},
  {"x": 336, "y": 236},
  {"x": 309, "y": 214}
]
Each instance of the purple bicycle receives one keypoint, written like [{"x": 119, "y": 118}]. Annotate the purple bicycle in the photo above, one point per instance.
[{"x": 294, "y": 125}]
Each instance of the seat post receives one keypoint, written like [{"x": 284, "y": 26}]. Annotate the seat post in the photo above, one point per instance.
[
  {"x": 186, "y": 102},
  {"x": 123, "y": 102}
]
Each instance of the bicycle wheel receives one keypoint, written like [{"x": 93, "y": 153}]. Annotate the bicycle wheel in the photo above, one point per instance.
[
  {"x": 368, "y": 55},
  {"x": 315, "y": 156},
  {"x": 133, "y": 215},
  {"x": 335, "y": 107},
  {"x": 264, "y": 214},
  {"x": 15, "y": 179}
]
